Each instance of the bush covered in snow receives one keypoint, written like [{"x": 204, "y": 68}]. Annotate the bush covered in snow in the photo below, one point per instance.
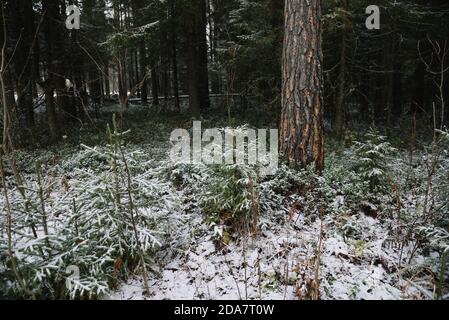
[
  {"x": 118, "y": 210},
  {"x": 99, "y": 218}
]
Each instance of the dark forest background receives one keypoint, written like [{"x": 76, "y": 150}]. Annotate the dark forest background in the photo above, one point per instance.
[{"x": 189, "y": 57}]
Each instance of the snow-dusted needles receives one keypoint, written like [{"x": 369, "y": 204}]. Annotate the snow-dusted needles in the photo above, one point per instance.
[{"x": 239, "y": 146}]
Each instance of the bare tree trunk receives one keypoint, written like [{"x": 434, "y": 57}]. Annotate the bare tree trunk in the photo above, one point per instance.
[
  {"x": 23, "y": 33},
  {"x": 388, "y": 80},
  {"x": 339, "y": 113},
  {"x": 122, "y": 84},
  {"x": 418, "y": 88},
  {"x": 51, "y": 112},
  {"x": 143, "y": 74},
  {"x": 195, "y": 108},
  {"x": 154, "y": 84},
  {"x": 8, "y": 103},
  {"x": 301, "y": 138},
  {"x": 129, "y": 71},
  {"x": 196, "y": 47},
  {"x": 107, "y": 82},
  {"x": 165, "y": 80},
  {"x": 203, "y": 74},
  {"x": 51, "y": 13},
  {"x": 397, "y": 90},
  {"x": 174, "y": 55}
]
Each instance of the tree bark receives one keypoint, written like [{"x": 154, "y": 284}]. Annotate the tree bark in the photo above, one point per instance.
[
  {"x": 143, "y": 74},
  {"x": 388, "y": 90},
  {"x": 418, "y": 79},
  {"x": 23, "y": 32},
  {"x": 52, "y": 53},
  {"x": 107, "y": 83},
  {"x": 197, "y": 61},
  {"x": 154, "y": 84},
  {"x": 397, "y": 90},
  {"x": 174, "y": 55},
  {"x": 339, "y": 113},
  {"x": 203, "y": 80},
  {"x": 301, "y": 134}
]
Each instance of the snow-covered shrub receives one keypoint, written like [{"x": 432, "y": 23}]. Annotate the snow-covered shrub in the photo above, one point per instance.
[
  {"x": 185, "y": 176},
  {"x": 99, "y": 220},
  {"x": 429, "y": 184},
  {"x": 441, "y": 183},
  {"x": 359, "y": 179},
  {"x": 86, "y": 158},
  {"x": 370, "y": 160},
  {"x": 424, "y": 215},
  {"x": 437, "y": 242},
  {"x": 343, "y": 183},
  {"x": 226, "y": 193}
]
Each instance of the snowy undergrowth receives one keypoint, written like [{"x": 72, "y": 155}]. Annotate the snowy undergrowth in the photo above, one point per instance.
[
  {"x": 355, "y": 233},
  {"x": 100, "y": 213},
  {"x": 373, "y": 227}
]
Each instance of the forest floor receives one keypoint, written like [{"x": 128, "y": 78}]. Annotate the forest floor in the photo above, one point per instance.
[
  {"x": 296, "y": 255},
  {"x": 281, "y": 264},
  {"x": 329, "y": 243}
]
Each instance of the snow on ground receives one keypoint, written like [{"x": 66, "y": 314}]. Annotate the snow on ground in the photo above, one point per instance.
[
  {"x": 294, "y": 255},
  {"x": 279, "y": 265}
]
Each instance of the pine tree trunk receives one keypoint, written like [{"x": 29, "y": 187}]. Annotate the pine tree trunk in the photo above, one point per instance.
[
  {"x": 397, "y": 90},
  {"x": 107, "y": 83},
  {"x": 143, "y": 73},
  {"x": 154, "y": 84},
  {"x": 63, "y": 65},
  {"x": 192, "y": 70},
  {"x": 339, "y": 113},
  {"x": 138, "y": 79},
  {"x": 122, "y": 84},
  {"x": 195, "y": 109},
  {"x": 174, "y": 55},
  {"x": 197, "y": 58},
  {"x": 9, "y": 117},
  {"x": 23, "y": 32},
  {"x": 203, "y": 75},
  {"x": 51, "y": 14},
  {"x": 164, "y": 58},
  {"x": 129, "y": 71},
  {"x": 94, "y": 85},
  {"x": 387, "y": 95},
  {"x": 418, "y": 87},
  {"x": 301, "y": 140},
  {"x": 51, "y": 113}
]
